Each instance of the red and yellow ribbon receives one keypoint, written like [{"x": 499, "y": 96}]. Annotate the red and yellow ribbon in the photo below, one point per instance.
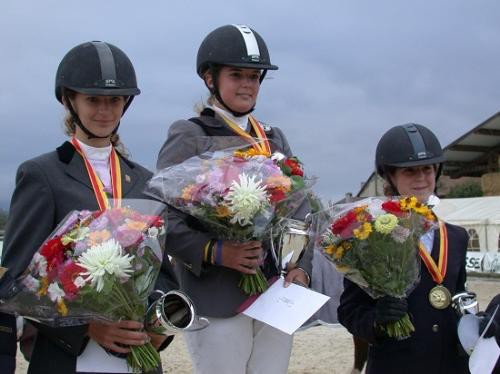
[
  {"x": 438, "y": 272},
  {"x": 262, "y": 145},
  {"x": 97, "y": 186}
]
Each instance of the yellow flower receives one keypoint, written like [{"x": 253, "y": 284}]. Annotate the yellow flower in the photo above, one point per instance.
[
  {"x": 408, "y": 203},
  {"x": 222, "y": 211},
  {"x": 363, "y": 232},
  {"x": 44, "y": 285},
  {"x": 385, "y": 223},
  {"x": 430, "y": 215},
  {"x": 330, "y": 249},
  {"x": 339, "y": 253},
  {"x": 361, "y": 214},
  {"x": 62, "y": 308},
  {"x": 250, "y": 152}
]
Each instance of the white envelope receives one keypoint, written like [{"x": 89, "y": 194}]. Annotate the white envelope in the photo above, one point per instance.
[{"x": 286, "y": 308}]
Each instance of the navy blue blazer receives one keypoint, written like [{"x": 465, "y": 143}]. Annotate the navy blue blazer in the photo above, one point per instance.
[
  {"x": 434, "y": 347},
  {"x": 47, "y": 188}
]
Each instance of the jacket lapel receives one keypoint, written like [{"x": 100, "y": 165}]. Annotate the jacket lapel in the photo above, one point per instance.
[
  {"x": 75, "y": 167},
  {"x": 129, "y": 177}
]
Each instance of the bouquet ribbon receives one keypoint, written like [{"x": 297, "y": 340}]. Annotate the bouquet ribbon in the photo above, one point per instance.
[
  {"x": 438, "y": 272},
  {"x": 116, "y": 178},
  {"x": 262, "y": 146}
]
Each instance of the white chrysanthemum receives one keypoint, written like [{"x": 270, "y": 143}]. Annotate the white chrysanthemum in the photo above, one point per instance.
[
  {"x": 40, "y": 264},
  {"x": 105, "y": 258},
  {"x": 31, "y": 283},
  {"x": 55, "y": 292},
  {"x": 245, "y": 199},
  {"x": 277, "y": 156},
  {"x": 153, "y": 232},
  {"x": 400, "y": 234},
  {"x": 79, "y": 282}
]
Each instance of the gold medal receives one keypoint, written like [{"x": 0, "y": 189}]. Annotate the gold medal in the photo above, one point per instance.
[{"x": 440, "y": 297}]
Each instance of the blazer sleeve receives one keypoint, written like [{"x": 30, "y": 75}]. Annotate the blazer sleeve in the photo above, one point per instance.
[
  {"x": 183, "y": 241},
  {"x": 30, "y": 222},
  {"x": 182, "y": 142},
  {"x": 356, "y": 311}
]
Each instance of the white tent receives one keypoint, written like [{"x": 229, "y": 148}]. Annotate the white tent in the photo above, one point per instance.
[{"x": 479, "y": 213}]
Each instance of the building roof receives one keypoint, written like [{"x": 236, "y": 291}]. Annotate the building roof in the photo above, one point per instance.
[{"x": 475, "y": 152}]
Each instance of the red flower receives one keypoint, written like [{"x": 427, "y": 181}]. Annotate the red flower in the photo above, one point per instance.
[
  {"x": 53, "y": 251},
  {"x": 393, "y": 207},
  {"x": 153, "y": 221},
  {"x": 68, "y": 275},
  {"x": 276, "y": 195},
  {"x": 294, "y": 165},
  {"x": 344, "y": 225}
]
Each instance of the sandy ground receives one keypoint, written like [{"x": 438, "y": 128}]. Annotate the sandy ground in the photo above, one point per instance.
[{"x": 317, "y": 349}]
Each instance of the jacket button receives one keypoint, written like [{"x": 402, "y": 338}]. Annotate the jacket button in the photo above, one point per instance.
[{"x": 435, "y": 328}]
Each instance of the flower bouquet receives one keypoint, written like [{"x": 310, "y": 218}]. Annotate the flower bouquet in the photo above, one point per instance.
[
  {"x": 98, "y": 265},
  {"x": 374, "y": 243},
  {"x": 237, "y": 194}
]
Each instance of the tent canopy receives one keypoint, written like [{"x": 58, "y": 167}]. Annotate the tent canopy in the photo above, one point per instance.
[{"x": 470, "y": 211}]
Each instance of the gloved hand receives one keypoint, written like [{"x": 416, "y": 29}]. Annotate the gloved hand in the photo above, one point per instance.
[
  {"x": 493, "y": 330},
  {"x": 390, "y": 309}
]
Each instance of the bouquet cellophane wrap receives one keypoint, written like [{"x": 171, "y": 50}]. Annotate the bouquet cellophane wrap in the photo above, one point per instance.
[
  {"x": 236, "y": 193},
  {"x": 374, "y": 242},
  {"x": 96, "y": 265}
]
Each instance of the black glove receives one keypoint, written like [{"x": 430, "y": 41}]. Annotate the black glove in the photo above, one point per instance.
[
  {"x": 484, "y": 319},
  {"x": 390, "y": 309}
]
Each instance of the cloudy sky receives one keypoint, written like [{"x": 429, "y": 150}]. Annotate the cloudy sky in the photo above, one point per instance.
[{"x": 349, "y": 70}]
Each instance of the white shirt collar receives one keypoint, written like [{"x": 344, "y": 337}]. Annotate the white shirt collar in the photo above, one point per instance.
[
  {"x": 241, "y": 121},
  {"x": 93, "y": 153}
]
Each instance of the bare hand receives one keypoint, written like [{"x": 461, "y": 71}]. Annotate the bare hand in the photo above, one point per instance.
[
  {"x": 112, "y": 335},
  {"x": 297, "y": 275},
  {"x": 157, "y": 339},
  {"x": 242, "y": 257}
]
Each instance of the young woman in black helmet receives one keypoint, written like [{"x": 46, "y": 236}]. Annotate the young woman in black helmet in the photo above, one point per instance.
[
  {"x": 96, "y": 83},
  {"x": 232, "y": 61},
  {"x": 409, "y": 158}
]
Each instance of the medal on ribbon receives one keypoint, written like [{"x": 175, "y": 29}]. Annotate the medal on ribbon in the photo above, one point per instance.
[
  {"x": 97, "y": 186},
  {"x": 439, "y": 296}
]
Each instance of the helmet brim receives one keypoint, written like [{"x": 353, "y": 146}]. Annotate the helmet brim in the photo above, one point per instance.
[
  {"x": 248, "y": 65},
  {"x": 427, "y": 161},
  {"x": 107, "y": 91}
]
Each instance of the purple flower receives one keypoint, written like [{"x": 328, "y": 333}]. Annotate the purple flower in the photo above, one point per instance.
[
  {"x": 80, "y": 247},
  {"x": 100, "y": 223},
  {"x": 71, "y": 219},
  {"x": 127, "y": 237}
]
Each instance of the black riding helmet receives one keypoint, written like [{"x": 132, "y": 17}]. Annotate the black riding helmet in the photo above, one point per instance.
[
  {"x": 95, "y": 68},
  {"x": 232, "y": 45},
  {"x": 406, "y": 146}
]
